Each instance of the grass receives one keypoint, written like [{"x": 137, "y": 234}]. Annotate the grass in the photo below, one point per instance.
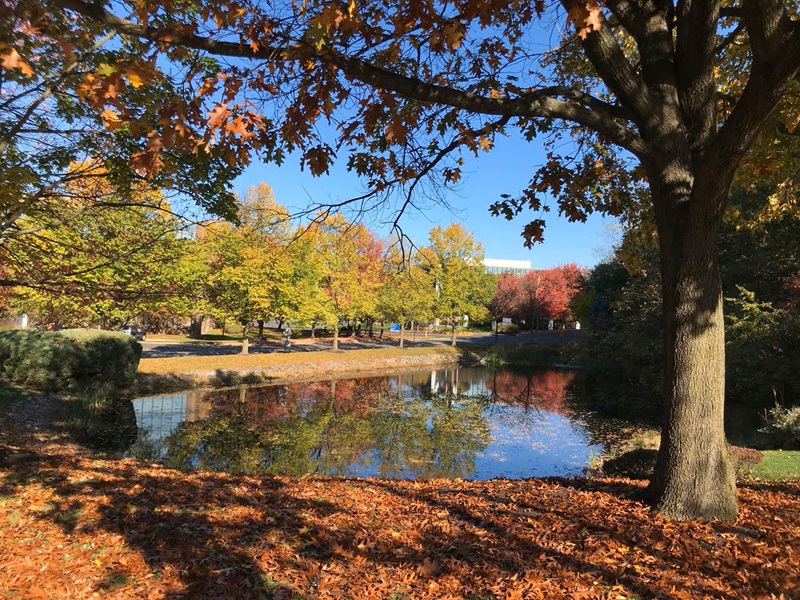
[
  {"x": 525, "y": 355},
  {"x": 192, "y": 364},
  {"x": 8, "y": 395},
  {"x": 778, "y": 465}
]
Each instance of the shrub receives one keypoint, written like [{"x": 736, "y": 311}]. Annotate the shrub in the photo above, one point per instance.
[
  {"x": 524, "y": 355},
  {"x": 105, "y": 357},
  {"x": 509, "y": 327},
  {"x": 54, "y": 361},
  {"x": 783, "y": 427},
  {"x": 745, "y": 459}
]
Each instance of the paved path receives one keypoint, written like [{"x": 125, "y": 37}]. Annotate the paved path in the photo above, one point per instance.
[{"x": 164, "y": 349}]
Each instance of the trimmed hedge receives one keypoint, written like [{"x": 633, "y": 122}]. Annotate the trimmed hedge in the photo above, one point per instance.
[{"x": 54, "y": 361}]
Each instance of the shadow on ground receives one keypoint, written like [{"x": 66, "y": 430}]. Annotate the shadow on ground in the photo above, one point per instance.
[{"x": 133, "y": 530}]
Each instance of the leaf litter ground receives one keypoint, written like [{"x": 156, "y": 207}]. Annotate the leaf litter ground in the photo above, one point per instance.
[{"x": 75, "y": 526}]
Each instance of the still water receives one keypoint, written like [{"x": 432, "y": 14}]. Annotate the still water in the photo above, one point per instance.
[{"x": 467, "y": 422}]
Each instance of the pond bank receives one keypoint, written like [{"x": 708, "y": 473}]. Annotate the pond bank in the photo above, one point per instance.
[{"x": 165, "y": 374}]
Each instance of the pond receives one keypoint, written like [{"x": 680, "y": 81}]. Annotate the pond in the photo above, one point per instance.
[{"x": 461, "y": 422}]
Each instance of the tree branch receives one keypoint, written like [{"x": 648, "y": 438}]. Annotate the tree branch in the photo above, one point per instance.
[
  {"x": 612, "y": 66},
  {"x": 767, "y": 25},
  {"x": 536, "y": 103},
  {"x": 765, "y": 87},
  {"x": 658, "y": 53},
  {"x": 697, "y": 22},
  {"x": 628, "y": 15}
]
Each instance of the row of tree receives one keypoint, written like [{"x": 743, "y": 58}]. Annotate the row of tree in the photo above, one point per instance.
[{"x": 135, "y": 261}]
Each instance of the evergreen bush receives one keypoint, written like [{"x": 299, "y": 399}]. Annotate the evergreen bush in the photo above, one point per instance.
[{"x": 52, "y": 362}]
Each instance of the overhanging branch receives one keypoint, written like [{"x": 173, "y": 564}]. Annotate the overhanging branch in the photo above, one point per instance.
[{"x": 546, "y": 103}]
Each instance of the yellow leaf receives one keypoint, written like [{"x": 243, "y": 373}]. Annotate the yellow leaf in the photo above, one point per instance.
[
  {"x": 134, "y": 79},
  {"x": 110, "y": 116}
]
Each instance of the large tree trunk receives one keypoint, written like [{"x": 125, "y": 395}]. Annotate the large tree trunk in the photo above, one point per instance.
[
  {"x": 694, "y": 476},
  {"x": 336, "y": 336},
  {"x": 402, "y": 327}
]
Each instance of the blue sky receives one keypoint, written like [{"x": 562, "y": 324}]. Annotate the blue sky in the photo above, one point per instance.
[{"x": 505, "y": 169}]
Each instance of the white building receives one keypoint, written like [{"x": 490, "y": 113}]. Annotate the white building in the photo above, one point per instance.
[{"x": 501, "y": 265}]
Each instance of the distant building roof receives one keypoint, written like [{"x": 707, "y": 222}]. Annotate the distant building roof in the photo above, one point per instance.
[
  {"x": 502, "y": 265},
  {"x": 511, "y": 264}
]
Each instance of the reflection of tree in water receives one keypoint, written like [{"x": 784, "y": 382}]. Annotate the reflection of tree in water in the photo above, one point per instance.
[
  {"x": 542, "y": 390},
  {"x": 337, "y": 428}
]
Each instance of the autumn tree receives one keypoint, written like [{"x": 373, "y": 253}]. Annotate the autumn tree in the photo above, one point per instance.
[
  {"x": 454, "y": 263},
  {"x": 54, "y": 145},
  {"x": 657, "y": 93},
  {"x": 99, "y": 267},
  {"x": 407, "y": 293},
  {"x": 246, "y": 260},
  {"x": 300, "y": 295},
  {"x": 504, "y": 300},
  {"x": 545, "y": 294},
  {"x": 352, "y": 267}
]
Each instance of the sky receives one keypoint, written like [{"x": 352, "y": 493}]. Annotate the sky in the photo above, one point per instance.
[{"x": 507, "y": 168}]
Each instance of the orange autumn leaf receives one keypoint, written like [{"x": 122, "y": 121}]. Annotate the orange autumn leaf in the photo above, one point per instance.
[
  {"x": 585, "y": 16},
  {"x": 11, "y": 59}
]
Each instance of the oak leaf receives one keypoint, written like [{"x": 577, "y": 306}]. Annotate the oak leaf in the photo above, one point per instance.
[
  {"x": 585, "y": 16},
  {"x": 11, "y": 60}
]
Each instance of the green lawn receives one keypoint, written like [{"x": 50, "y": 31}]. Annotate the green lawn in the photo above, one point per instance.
[{"x": 778, "y": 465}]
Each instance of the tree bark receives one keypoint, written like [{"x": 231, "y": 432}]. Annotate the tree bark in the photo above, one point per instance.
[
  {"x": 402, "y": 327},
  {"x": 453, "y": 333},
  {"x": 196, "y": 327},
  {"x": 245, "y": 340},
  {"x": 694, "y": 475},
  {"x": 336, "y": 336}
]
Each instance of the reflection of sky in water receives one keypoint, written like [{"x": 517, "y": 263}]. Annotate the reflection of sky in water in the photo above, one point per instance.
[
  {"x": 490, "y": 439},
  {"x": 533, "y": 444},
  {"x": 524, "y": 444}
]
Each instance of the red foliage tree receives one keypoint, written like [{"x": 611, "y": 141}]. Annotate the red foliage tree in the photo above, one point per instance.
[
  {"x": 503, "y": 303},
  {"x": 545, "y": 294}
]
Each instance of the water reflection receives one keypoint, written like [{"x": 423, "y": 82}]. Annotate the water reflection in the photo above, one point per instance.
[{"x": 459, "y": 422}]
